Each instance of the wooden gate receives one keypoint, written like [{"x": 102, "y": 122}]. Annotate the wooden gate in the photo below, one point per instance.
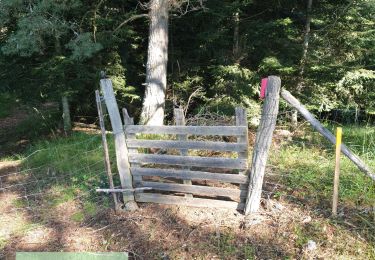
[{"x": 166, "y": 159}]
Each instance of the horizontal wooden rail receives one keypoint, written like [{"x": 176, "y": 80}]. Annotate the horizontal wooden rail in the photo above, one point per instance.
[
  {"x": 187, "y": 174},
  {"x": 234, "y": 194},
  {"x": 186, "y": 201},
  {"x": 187, "y": 130},
  {"x": 213, "y": 162},
  {"x": 197, "y": 145}
]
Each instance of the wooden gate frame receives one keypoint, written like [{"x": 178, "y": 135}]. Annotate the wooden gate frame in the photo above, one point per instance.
[{"x": 129, "y": 161}]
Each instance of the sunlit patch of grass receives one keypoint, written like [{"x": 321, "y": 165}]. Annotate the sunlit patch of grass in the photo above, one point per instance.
[
  {"x": 78, "y": 216},
  {"x": 76, "y": 161},
  {"x": 309, "y": 171},
  {"x": 307, "y": 166}
]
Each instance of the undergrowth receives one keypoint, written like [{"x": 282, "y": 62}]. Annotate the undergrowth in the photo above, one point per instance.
[{"x": 7, "y": 102}]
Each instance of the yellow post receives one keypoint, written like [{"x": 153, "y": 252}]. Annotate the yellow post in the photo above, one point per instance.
[{"x": 337, "y": 172}]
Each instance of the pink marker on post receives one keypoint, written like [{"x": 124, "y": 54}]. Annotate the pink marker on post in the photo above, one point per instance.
[{"x": 263, "y": 87}]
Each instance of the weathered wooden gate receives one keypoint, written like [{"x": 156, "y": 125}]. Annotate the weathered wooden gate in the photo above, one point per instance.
[
  {"x": 166, "y": 159},
  {"x": 176, "y": 176}
]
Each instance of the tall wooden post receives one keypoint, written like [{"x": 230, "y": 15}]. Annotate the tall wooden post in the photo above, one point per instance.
[
  {"x": 337, "y": 172},
  {"x": 262, "y": 144},
  {"x": 105, "y": 149},
  {"x": 179, "y": 119},
  {"x": 123, "y": 165}
]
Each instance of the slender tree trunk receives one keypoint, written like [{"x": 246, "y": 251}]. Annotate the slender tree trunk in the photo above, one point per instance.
[
  {"x": 66, "y": 115},
  {"x": 305, "y": 42},
  {"x": 300, "y": 81},
  {"x": 156, "y": 68},
  {"x": 236, "y": 37}
]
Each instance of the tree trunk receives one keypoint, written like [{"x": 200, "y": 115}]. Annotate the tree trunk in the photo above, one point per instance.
[
  {"x": 306, "y": 37},
  {"x": 236, "y": 36},
  {"x": 305, "y": 45},
  {"x": 156, "y": 68},
  {"x": 66, "y": 115}
]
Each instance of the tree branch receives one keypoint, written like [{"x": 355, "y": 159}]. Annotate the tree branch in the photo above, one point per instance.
[{"x": 134, "y": 17}]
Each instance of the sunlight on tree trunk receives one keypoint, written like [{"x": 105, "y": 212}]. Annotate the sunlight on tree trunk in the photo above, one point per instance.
[{"x": 156, "y": 68}]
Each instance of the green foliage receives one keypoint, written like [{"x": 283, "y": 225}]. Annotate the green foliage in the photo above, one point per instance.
[
  {"x": 83, "y": 47},
  {"x": 50, "y": 48},
  {"x": 356, "y": 89}
]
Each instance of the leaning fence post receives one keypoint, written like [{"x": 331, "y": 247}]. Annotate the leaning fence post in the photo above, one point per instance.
[
  {"x": 105, "y": 148},
  {"x": 179, "y": 119},
  {"x": 123, "y": 165},
  {"x": 262, "y": 144}
]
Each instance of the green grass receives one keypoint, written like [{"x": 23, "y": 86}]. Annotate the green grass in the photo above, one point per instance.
[
  {"x": 307, "y": 165},
  {"x": 66, "y": 170}
]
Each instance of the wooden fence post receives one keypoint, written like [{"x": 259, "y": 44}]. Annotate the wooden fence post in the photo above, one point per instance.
[
  {"x": 337, "y": 172},
  {"x": 262, "y": 144},
  {"x": 105, "y": 149},
  {"x": 179, "y": 119},
  {"x": 123, "y": 165}
]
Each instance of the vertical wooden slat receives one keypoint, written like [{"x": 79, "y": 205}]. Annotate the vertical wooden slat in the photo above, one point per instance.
[
  {"x": 120, "y": 144},
  {"x": 105, "y": 149},
  {"x": 241, "y": 120},
  {"x": 130, "y": 136},
  {"x": 179, "y": 119},
  {"x": 262, "y": 144}
]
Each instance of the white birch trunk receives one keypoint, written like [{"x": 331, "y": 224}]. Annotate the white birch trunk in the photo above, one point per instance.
[{"x": 156, "y": 68}]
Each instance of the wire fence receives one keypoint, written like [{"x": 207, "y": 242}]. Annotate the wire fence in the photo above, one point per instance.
[{"x": 31, "y": 181}]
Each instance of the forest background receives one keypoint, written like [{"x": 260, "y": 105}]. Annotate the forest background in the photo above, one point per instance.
[{"x": 218, "y": 51}]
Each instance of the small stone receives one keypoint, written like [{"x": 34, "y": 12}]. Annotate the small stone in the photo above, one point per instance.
[
  {"x": 311, "y": 245},
  {"x": 307, "y": 219}
]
